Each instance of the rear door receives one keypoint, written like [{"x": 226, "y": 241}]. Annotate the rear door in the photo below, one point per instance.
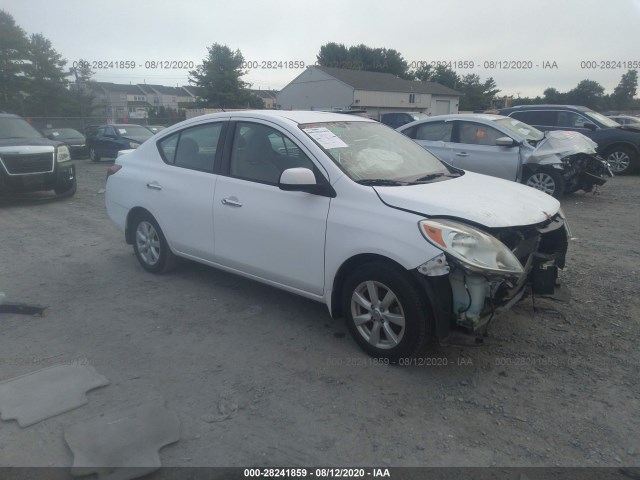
[
  {"x": 181, "y": 189},
  {"x": 475, "y": 150},
  {"x": 435, "y": 136}
]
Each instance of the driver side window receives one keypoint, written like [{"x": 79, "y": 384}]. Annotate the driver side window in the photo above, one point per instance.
[
  {"x": 262, "y": 153},
  {"x": 478, "y": 134}
]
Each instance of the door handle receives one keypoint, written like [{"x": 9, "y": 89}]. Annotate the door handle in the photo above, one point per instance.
[
  {"x": 462, "y": 154},
  {"x": 231, "y": 202},
  {"x": 154, "y": 186}
]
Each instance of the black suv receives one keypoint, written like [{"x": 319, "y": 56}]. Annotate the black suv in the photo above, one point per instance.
[
  {"x": 618, "y": 144},
  {"x": 109, "y": 139},
  {"x": 31, "y": 162},
  {"x": 397, "y": 119}
]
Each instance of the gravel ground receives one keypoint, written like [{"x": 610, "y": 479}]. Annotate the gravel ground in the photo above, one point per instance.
[{"x": 260, "y": 377}]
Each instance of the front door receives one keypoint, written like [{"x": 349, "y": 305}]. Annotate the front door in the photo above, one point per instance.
[{"x": 259, "y": 229}]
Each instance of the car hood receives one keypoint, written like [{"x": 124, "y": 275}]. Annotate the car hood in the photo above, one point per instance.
[
  {"x": 484, "y": 200},
  {"x": 32, "y": 142},
  {"x": 631, "y": 127},
  {"x": 559, "y": 144}
]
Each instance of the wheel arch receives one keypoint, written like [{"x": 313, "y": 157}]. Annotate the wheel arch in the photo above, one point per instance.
[
  {"x": 619, "y": 143},
  {"x": 128, "y": 229},
  {"x": 349, "y": 266}
]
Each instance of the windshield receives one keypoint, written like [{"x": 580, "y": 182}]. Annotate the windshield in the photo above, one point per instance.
[
  {"x": 598, "y": 117},
  {"x": 521, "y": 129},
  {"x": 134, "y": 131},
  {"x": 64, "y": 133},
  {"x": 372, "y": 151},
  {"x": 17, "y": 128}
]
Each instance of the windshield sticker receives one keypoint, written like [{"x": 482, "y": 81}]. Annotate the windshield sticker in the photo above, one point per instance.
[
  {"x": 55, "y": 134},
  {"x": 325, "y": 138},
  {"x": 122, "y": 131}
]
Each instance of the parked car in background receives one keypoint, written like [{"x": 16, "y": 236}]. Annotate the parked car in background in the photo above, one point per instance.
[
  {"x": 625, "y": 119},
  {"x": 31, "y": 162},
  {"x": 618, "y": 144},
  {"x": 72, "y": 138},
  {"x": 155, "y": 128},
  {"x": 109, "y": 139},
  {"x": 342, "y": 210},
  {"x": 397, "y": 119},
  {"x": 553, "y": 162}
]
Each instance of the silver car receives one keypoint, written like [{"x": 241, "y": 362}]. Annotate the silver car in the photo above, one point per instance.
[{"x": 555, "y": 162}]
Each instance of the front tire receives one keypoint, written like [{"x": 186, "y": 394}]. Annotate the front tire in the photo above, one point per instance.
[
  {"x": 150, "y": 245},
  {"x": 386, "y": 313},
  {"x": 546, "y": 181},
  {"x": 68, "y": 190},
  {"x": 621, "y": 159}
]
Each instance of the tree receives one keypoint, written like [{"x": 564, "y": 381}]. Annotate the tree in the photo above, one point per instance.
[
  {"x": 476, "y": 95},
  {"x": 80, "y": 93},
  {"x": 624, "y": 93},
  {"x": 553, "y": 96},
  {"x": 588, "y": 93},
  {"x": 446, "y": 76},
  {"x": 424, "y": 72},
  {"x": 334, "y": 55},
  {"x": 14, "y": 56},
  {"x": 220, "y": 78},
  {"x": 362, "y": 57},
  {"x": 47, "y": 94}
]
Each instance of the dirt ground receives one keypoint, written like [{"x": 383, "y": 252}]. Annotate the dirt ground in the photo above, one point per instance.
[{"x": 260, "y": 377}]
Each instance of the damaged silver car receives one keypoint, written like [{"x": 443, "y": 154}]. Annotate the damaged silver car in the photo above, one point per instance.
[{"x": 555, "y": 162}]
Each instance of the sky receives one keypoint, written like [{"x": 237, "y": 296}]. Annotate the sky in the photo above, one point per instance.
[{"x": 568, "y": 36}]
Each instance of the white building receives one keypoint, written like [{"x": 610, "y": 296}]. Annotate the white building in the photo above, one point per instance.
[{"x": 324, "y": 88}]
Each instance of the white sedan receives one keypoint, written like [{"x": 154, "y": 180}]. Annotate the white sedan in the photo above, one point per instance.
[{"x": 342, "y": 210}]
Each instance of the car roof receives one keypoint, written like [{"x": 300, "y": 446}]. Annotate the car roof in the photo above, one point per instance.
[
  {"x": 294, "y": 116},
  {"x": 546, "y": 107},
  {"x": 486, "y": 117},
  {"x": 9, "y": 115}
]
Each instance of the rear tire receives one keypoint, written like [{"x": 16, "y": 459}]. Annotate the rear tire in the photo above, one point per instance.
[
  {"x": 385, "y": 311},
  {"x": 150, "y": 245},
  {"x": 546, "y": 181}
]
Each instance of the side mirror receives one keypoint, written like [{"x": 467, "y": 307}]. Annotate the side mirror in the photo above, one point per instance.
[
  {"x": 303, "y": 180},
  {"x": 590, "y": 126},
  {"x": 505, "y": 142}
]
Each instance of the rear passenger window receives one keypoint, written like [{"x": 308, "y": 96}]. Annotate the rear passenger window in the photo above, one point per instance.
[
  {"x": 193, "y": 148},
  {"x": 435, "y": 131},
  {"x": 536, "y": 117}
]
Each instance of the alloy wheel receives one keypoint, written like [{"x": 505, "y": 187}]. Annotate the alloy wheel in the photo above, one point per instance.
[
  {"x": 619, "y": 161},
  {"x": 543, "y": 182},
  {"x": 148, "y": 243},
  {"x": 377, "y": 314}
]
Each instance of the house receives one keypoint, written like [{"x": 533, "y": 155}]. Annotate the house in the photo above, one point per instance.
[
  {"x": 168, "y": 97},
  {"x": 119, "y": 102},
  {"x": 268, "y": 97},
  {"x": 324, "y": 88}
]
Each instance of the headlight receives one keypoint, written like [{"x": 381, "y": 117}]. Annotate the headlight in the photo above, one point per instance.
[
  {"x": 133, "y": 145},
  {"x": 474, "y": 249},
  {"x": 62, "y": 154},
  {"x": 566, "y": 223}
]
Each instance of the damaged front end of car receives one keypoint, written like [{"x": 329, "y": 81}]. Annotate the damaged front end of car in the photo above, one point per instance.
[
  {"x": 574, "y": 156},
  {"x": 481, "y": 273}
]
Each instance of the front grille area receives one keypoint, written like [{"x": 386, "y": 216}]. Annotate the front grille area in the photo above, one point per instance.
[{"x": 16, "y": 164}]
